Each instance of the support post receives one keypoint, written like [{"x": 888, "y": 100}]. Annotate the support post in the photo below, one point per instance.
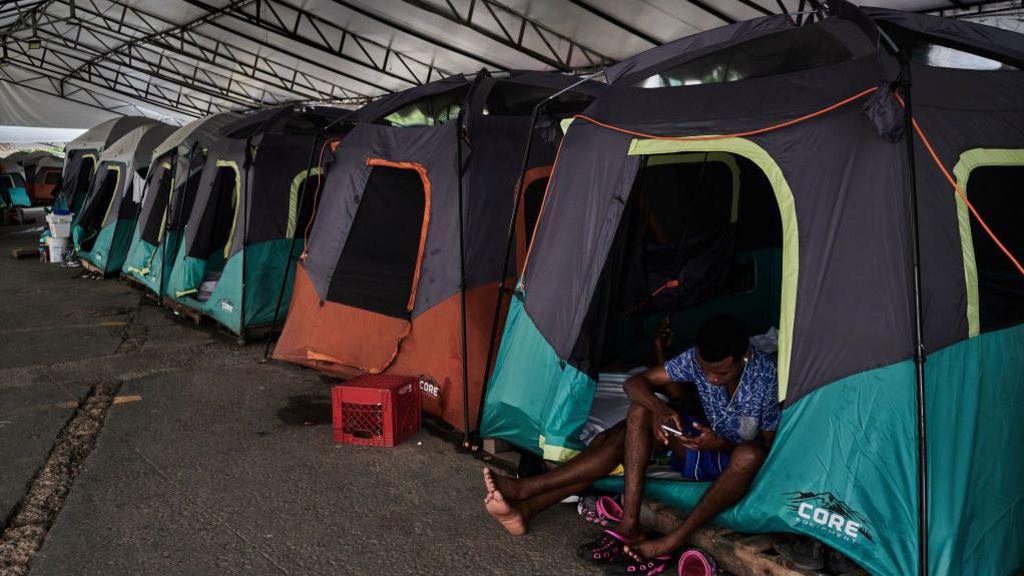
[{"x": 919, "y": 349}]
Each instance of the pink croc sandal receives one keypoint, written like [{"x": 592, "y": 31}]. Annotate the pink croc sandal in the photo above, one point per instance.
[
  {"x": 697, "y": 562},
  {"x": 602, "y": 511},
  {"x": 607, "y": 548}
]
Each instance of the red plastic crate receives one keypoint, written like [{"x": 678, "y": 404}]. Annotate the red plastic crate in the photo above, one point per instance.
[{"x": 376, "y": 410}]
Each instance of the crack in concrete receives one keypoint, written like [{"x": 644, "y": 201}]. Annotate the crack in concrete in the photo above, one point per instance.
[{"x": 32, "y": 518}]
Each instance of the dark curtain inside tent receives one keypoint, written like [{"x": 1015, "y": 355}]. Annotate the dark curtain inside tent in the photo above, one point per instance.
[{"x": 376, "y": 267}]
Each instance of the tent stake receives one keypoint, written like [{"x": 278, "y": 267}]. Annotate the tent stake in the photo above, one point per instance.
[
  {"x": 291, "y": 249},
  {"x": 510, "y": 236}
]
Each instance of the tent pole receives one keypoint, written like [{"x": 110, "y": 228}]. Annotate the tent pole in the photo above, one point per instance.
[
  {"x": 244, "y": 199},
  {"x": 919, "y": 349},
  {"x": 291, "y": 249},
  {"x": 462, "y": 278},
  {"x": 510, "y": 236}
]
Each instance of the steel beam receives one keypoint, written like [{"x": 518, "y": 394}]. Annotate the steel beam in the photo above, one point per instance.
[{"x": 512, "y": 27}]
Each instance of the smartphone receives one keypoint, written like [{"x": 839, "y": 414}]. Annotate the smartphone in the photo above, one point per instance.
[{"x": 671, "y": 430}]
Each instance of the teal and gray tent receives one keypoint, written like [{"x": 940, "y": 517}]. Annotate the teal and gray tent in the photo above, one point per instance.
[
  {"x": 102, "y": 231},
  {"x": 805, "y": 117},
  {"x": 82, "y": 155},
  {"x": 251, "y": 209},
  {"x": 13, "y": 190},
  {"x": 171, "y": 183}
]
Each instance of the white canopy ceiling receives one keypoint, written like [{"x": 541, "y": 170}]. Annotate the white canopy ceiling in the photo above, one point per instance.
[{"x": 180, "y": 59}]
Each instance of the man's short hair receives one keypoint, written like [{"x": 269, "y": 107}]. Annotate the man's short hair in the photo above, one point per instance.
[{"x": 722, "y": 336}]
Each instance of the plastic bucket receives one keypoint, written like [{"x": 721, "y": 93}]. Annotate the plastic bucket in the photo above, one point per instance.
[
  {"x": 58, "y": 249},
  {"x": 60, "y": 224}
]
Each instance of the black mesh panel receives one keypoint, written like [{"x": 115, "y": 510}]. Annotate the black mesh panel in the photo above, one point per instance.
[
  {"x": 376, "y": 266},
  {"x": 995, "y": 192}
]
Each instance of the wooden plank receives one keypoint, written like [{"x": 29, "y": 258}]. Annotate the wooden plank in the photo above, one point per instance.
[
  {"x": 739, "y": 554},
  {"x": 19, "y": 253}
]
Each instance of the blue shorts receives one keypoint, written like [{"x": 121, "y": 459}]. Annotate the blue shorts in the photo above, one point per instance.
[{"x": 700, "y": 465}]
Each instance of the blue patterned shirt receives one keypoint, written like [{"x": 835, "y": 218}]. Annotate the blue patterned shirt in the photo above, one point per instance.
[{"x": 753, "y": 407}]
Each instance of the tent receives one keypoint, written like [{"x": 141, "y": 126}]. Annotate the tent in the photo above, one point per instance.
[
  {"x": 807, "y": 110},
  {"x": 13, "y": 190},
  {"x": 388, "y": 250},
  {"x": 82, "y": 153},
  {"x": 41, "y": 170},
  {"x": 102, "y": 231},
  {"x": 251, "y": 209},
  {"x": 174, "y": 173}
]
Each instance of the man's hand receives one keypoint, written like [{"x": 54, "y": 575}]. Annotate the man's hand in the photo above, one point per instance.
[
  {"x": 706, "y": 440},
  {"x": 665, "y": 416}
]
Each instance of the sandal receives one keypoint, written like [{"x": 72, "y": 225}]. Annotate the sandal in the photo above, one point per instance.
[
  {"x": 697, "y": 562},
  {"x": 626, "y": 565},
  {"x": 603, "y": 510},
  {"x": 606, "y": 549}
]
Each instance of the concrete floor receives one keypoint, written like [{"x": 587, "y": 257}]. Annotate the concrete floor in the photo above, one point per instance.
[{"x": 217, "y": 464}]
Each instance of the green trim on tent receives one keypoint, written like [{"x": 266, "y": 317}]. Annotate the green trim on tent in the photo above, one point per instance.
[
  {"x": 293, "y": 198},
  {"x": 850, "y": 448},
  {"x": 700, "y": 157},
  {"x": 236, "y": 200},
  {"x": 969, "y": 160},
  {"x": 566, "y": 122},
  {"x": 787, "y": 209}
]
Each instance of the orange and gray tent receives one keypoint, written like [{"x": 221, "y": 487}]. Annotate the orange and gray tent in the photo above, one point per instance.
[
  {"x": 907, "y": 467},
  {"x": 81, "y": 156},
  {"x": 378, "y": 289},
  {"x": 103, "y": 230},
  {"x": 171, "y": 183},
  {"x": 250, "y": 212}
]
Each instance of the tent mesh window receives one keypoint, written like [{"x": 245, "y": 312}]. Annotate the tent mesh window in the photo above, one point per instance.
[
  {"x": 514, "y": 99},
  {"x": 218, "y": 221},
  {"x": 995, "y": 191},
  {"x": 151, "y": 229},
  {"x": 185, "y": 196},
  {"x": 429, "y": 111},
  {"x": 92, "y": 215},
  {"x": 942, "y": 53},
  {"x": 51, "y": 177},
  {"x": 800, "y": 48},
  {"x": 376, "y": 267},
  {"x": 82, "y": 183}
]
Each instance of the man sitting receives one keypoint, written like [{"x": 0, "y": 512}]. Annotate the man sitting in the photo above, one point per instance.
[{"x": 738, "y": 390}]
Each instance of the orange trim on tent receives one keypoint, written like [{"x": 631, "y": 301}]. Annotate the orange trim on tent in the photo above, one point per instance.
[
  {"x": 426, "y": 216},
  {"x": 333, "y": 143},
  {"x": 960, "y": 193},
  {"x": 524, "y": 235},
  {"x": 770, "y": 128}
]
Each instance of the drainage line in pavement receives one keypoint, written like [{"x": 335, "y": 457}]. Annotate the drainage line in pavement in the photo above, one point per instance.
[{"x": 32, "y": 518}]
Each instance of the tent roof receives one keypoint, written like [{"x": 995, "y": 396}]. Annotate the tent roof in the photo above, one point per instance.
[
  {"x": 207, "y": 127},
  {"x": 182, "y": 59},
  {"x": 106, "y": 133},
  {"x": 135, "y": 147}
]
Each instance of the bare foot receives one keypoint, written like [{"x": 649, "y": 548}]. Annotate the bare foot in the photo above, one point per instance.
[
  {"x": 652, "y": 548},
  {"x": 505, "y": 513},
  {"x": 509, "y": 487}
]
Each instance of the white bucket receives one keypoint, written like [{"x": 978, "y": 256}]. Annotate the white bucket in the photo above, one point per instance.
[
  {"x": 60, "y": 225},
  {"x": 58, "y": 249}
]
